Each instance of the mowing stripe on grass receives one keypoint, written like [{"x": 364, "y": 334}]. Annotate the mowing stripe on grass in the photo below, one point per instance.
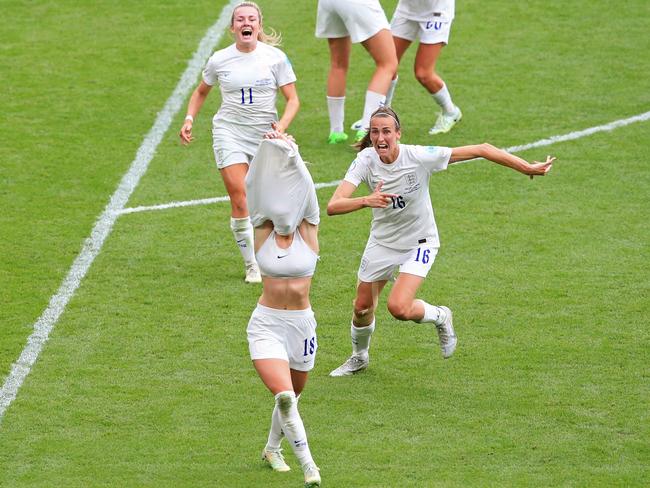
[
  {"x": 541, "y": 143},
  {"x": 93, "y": 244}
]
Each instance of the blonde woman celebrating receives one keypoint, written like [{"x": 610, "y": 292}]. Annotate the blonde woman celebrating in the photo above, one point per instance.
[{"x": 250, "y": 72}]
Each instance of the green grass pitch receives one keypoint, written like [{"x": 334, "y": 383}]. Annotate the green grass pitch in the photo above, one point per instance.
[{"x": 146, "y": 381}]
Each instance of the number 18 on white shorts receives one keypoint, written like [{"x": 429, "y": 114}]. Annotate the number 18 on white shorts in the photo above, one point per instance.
[
  {"x": 283, "y": 334},
  {"x": 380, "y": 263}
]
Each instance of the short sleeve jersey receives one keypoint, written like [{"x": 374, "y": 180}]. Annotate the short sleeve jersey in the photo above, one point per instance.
[
  {"x": 249, "y": 82},
  {"x": 408, "y": 220},
  {"x": 422, "y": 10}
]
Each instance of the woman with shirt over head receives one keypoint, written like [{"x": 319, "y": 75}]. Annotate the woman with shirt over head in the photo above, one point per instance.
[
  {"x": 403, "y": 236},
  {"x": 250, "y": 73},
  {"x": 282, "y": 329}
]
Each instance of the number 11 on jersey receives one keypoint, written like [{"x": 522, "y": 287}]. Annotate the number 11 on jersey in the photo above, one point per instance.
[{"x": 250, "y": 96}]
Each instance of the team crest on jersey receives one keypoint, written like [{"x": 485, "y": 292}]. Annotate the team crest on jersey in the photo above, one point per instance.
[{"x": 411, "y": 182}]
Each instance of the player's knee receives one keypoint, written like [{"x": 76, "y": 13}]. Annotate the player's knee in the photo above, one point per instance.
[
  {"x": 362, "y": 309},
  {"x": 389, "y": 64},
  {"x": 340, "y": 64},
  {"x": 400, "y": 310},
  {"x": 238, "y": 201},
  {"x": 423, "y": 75},
  {"x": 285, "y": 401}
]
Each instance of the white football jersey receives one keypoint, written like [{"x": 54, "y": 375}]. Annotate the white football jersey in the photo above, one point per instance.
[
  {"x": 426, "y": 10},
  {"x": 408, "y": 220},
  {"x": 249, "y": 82}
]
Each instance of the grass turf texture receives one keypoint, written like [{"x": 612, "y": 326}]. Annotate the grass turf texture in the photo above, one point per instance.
[{"x": 146, "y": 379}]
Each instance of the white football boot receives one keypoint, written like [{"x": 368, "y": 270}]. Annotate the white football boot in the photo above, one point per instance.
[
  {"x": 353, "y": 365},
  {"x": 275, "y": 460},
  {"x": 358, "y": 125},
  {"x": 446, "y": 121},
  {"x": 446, "y": 335},
  {"x": 312, "y": 475},
  {"x": 253, "y": 274}
]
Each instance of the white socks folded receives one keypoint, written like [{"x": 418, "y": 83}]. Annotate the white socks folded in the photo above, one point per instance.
[
  {"x": 336, "y": 109},
  {"x": 391, "y": 91},
  {"x": 374, "y": 100},
  {"x": 433, "y": 314},
  {"x": 242, "y": 230},
  {"x": 443, "y": 98},
  {"x": 286, "y": 405},
  {"x": 361, "y": 338}
]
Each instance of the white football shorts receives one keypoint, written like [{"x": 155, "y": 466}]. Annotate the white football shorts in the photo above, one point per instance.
[
  {"x": 432, "y": 31},
  {"x": 283, "y": 334},
  {"x": 235, "y": 143},
  {"x": 359, "y": 19},
  {"x": 380, "y": 263}
]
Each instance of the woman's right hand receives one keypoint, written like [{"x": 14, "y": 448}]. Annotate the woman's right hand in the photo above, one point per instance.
[
  {"x": 378, "y": 199},
  {"x": 186, "y": 132}
]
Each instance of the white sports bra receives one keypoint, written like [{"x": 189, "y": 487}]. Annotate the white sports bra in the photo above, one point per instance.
[{"x": 297, "y": 261}]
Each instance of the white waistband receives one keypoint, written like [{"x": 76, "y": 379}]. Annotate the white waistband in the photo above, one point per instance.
[{"x": 307, "y": 312}]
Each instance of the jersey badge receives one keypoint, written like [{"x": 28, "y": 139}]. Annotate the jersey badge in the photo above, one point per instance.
[{"x": 411, "y": 183}]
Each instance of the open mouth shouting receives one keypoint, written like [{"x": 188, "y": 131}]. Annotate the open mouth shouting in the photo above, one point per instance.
[{"x": 247, "y": 33}]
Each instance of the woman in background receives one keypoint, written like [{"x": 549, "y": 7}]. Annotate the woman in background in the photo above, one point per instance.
[
  {"x": 343, "y": 22},
  {"x": 250, "y": 73}
]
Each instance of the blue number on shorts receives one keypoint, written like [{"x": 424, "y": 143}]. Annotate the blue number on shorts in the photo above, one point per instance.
[
  {"x": 250, "y": 96},
  {"x": 310, "y": 346},
  {"x": 425, "y": 255},
  {"x": 435, "y": 25},
  {"x": 398, "y": 202}
]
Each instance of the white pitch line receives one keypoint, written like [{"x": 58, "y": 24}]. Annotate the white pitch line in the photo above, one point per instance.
[
  {"x": 202, "y": 201},
  {"x": 582, "y": 133},
  {"x": 93, "y": 244},
  {"x": 541, "y": 143}
]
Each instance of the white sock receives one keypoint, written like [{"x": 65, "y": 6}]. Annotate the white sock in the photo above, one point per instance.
[
  {"x": 391, "y": 91},
  {"x": 443, "y": 98},
  {"x": 292, "y": 426},
  {"x": 336, "y": 108},
  {"x": 242, "y": 229},
  {"x": 374, "y": 100},
  {"x": 432, "y": 314},
  {"x": 361, "y": 338},
  {"x": 275, "y": 434}
]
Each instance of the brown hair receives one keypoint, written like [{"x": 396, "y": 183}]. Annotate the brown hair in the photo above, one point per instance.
[
  {"x": 272, "y": 38},
  {"x": 380, "y": 112}
]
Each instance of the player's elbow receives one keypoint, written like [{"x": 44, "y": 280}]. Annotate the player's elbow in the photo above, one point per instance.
[{"x": 485, "y": 149}]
